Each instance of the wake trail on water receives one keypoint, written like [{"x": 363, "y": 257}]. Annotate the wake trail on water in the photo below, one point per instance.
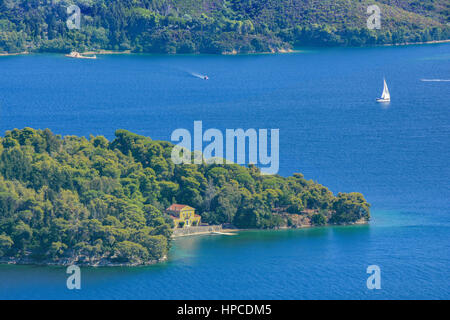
[
  {"x": 197, "y": 75},
  {"x": 435, "y": 80},
  {"x": 185, "y": 71}
]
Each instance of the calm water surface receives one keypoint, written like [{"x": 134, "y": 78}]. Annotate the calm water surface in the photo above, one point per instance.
[{"x": 330, "y": 129}]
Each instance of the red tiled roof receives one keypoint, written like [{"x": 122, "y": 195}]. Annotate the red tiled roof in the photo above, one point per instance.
[{"x": 176, "y": 207}]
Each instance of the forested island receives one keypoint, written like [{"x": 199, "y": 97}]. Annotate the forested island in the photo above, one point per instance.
[
  {"x": 215, "y": 26},
  {"x": 70, "y": 199}
]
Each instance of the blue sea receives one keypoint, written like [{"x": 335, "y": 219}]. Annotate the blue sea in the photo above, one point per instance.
[{"x": 331, "y": 130}]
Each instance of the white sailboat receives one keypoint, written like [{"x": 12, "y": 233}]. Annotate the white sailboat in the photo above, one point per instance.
[{"x": 386, "y": 96}]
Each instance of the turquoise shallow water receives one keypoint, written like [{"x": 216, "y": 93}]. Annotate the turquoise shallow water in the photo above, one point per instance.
[
  {"x": 330, "y": 129},
  {"x": 323, "y": 263}
]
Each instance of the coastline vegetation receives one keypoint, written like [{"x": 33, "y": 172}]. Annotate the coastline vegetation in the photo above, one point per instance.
[
  {"x": 91, "y": 201},
  {"x": 215, "y": 26}
]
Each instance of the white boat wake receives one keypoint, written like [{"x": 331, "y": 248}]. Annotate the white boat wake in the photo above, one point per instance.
[
  {"x": 198, "y": 75},
  {"x": 435, "y": 80}
]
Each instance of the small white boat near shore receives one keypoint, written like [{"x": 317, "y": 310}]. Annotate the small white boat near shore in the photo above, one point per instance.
[
  {"x": 78, "y": 55},
  {"x": 385, "y": 96}
]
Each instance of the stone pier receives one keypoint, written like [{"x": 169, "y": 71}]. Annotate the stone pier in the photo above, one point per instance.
[{"x": 189, "y": 231}]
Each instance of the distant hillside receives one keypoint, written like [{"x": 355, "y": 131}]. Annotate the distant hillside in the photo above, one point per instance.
[{"x": 216, "y": 26}]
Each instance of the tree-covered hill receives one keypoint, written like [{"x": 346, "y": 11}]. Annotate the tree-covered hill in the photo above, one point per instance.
[
  {"x": 72, "y": 199},
  {"x": 216, "y": 26}
]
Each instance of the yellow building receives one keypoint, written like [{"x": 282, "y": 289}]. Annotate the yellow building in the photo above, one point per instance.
[{"x": 183, "y": 215}]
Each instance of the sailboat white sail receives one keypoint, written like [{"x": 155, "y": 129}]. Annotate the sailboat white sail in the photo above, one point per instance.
[{"x": 385, "y": 96}]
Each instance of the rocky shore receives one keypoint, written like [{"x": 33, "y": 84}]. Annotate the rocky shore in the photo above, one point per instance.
[
  {"x": 178, "y": 233},
  {"x": 6, "y": 54},
  {"x": 76, "y": 261}
]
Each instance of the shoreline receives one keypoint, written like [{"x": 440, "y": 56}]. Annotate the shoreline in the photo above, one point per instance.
[
  {"x": 68, "y": 262},
  {"x": 232, "y": 53},
  {"x": 226, "y": 232},
  {"x": 8, "y": 54},
  {"x": 235, "y": 231},
  {"x": 107, "y": 52},
  {"x": 415, "y": 43},
  {"x": 107, "y": 264}
]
